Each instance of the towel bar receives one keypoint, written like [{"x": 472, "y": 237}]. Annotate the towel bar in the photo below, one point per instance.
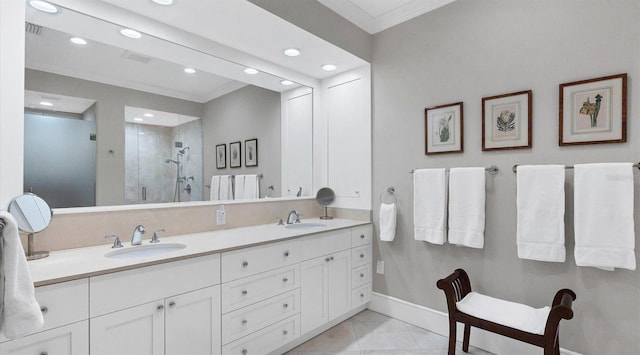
[
  {"x": 390, "y": 190},
  {"x": 515, "y": 167},
  {"x": 493, "y": 170}
]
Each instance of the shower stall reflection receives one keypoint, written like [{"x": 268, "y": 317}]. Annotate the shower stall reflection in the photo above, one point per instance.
[{"x": 151, "y": 177}]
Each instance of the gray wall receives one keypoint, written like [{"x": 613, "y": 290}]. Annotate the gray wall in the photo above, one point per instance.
[
  {"x": 229, "y": 119},
  {"x": 109, "y": 111},
  {"x": 471, "y": 49}
]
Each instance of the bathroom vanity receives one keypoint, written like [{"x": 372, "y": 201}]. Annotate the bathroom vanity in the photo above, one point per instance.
[{"x": 252, "y": 290}]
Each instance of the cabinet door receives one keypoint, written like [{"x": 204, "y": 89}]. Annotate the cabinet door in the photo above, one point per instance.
[
  {"x": 192, "y": 322},
  {"x": 138, "y": 330},
  {"x": 314, "y": 303},
  {"x": 339, "y": 284},
  {"x": 72, "y": 339}
]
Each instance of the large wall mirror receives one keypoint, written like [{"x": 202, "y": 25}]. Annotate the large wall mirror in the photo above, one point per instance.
[{"x": 112, "y": 120}]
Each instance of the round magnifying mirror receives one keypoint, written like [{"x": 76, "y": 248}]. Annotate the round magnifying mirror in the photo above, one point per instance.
[
  {"x": 33, "y": 215},
  {"x": 325, "y": 197}
]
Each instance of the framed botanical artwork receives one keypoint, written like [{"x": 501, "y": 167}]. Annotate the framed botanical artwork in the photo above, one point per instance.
[
  {"x": 443, "y": 129},
  {"x": 594, "y": 111},
  {"x": 221, "y": 156},
  {"x": 506, "y": 121},
  {"x": 251, "y": 152},
  {"x": 235, "y": 154}
]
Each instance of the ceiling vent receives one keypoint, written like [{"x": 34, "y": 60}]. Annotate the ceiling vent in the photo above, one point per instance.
[
  {"x": 136, "y": 57},
  {"x": 33, "y": 28}
]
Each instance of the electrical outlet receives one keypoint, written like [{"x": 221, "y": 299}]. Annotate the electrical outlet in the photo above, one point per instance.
[
  {"x": 380, "y": 267},
  {"x": 221, "y": 215}
]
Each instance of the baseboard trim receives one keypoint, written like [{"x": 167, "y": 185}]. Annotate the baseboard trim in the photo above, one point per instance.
[{"x": 438, "y": 322}]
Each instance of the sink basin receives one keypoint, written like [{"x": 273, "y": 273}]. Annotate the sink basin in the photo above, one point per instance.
[
  {"x": 144, "y": 251},
  {"x": 305, "y": 225}
]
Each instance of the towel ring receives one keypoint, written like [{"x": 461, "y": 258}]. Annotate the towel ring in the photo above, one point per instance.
[{"x": 391, "y": 191}]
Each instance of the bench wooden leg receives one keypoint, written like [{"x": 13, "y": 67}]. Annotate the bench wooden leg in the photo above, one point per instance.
[
  {"x": 465, "y": 339},
  {"x": 452, "y": 337}
]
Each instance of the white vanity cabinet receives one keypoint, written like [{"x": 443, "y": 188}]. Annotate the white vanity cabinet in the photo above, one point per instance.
[
  {"x": 171, "y": 308},
  {"x": 361, "y": 264},
  {"x": 65, "y": 309}
]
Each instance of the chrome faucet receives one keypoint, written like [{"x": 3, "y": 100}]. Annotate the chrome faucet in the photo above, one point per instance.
[
  {"x": 299, "y": 192},
  {"x": 136, "y": 239},
  {"x": 294, "y": 217}
]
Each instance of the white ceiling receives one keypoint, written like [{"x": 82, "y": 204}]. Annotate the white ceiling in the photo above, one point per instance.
[
  {"x": 60, "y": 103},
  {"x": 374, "y": 16}
]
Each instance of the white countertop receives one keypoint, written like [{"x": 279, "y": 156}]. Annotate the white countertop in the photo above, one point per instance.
[{"x": 72, "y": 264}]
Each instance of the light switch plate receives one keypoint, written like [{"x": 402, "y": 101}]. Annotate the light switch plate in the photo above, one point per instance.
[
  {"x": 380, "y": 267},
  {"x": 221, "y": 215}
]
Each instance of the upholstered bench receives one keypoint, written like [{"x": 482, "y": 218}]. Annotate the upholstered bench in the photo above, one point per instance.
[{"x": 536, "y": 326}]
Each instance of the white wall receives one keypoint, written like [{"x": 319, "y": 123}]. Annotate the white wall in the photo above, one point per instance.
[
  {"x": 11, "y": 99},
  {"x": 471, "y": 49}
]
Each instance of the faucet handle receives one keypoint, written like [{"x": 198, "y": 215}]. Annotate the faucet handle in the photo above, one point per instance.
[
  {"x": 298, "y": 217},
  {"x": 280, "y": 221},
  {"x": 116, "y": 242},
  {"x": 155, "y": 239}
]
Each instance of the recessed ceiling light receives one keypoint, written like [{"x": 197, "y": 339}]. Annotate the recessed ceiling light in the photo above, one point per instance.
[
  {"x": 46, "y": 103},
  {"x": 148, "y": 115},
  {"x": 163, "y": 2},
  {"x": 286, "y": 82},
  {"x": 78, "y": 40},
  {"x": 43, "y": 6},
  {"x": 138, "y": 119},
  {"x": 189, "y": 70},
  {"x": 127, "y": 32},
  {"x": 251, "y": 71},
  {"x": 292, "y": 52},
  {"x": 329, "y": 67}
]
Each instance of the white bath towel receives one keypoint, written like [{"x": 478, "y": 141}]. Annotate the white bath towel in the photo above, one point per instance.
[
  {"x": 220, "y": 188},
  {"x": 467, "y": 206},
  {"x": 21, "y": 313},
  {"x": 429, "y": 205},
  {"x": 387, "y": 222},
  {"x": 251, "y": 187},
  {"x": 238, "y": 187},
  {"x": 540, "y": 208},
  {"x": 603, "y": 216}
]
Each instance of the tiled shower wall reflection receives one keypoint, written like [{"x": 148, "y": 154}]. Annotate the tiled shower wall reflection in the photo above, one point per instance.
[{"x": 147, "y": 148}]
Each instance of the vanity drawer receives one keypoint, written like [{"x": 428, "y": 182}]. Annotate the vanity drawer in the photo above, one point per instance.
[
  {"x": 267, "y": 339},
  {"x": 361, "y": 275},
  {"x": 361, "y": 295},
  {"x": 239, "y": 293},
  {"x": 249, "y": 319},
  {"x": 72, "y": 339},
  {"x": 130, "y": 288},
  {"x": 361, "y": 235},
  {"x": 250, "y": 261},
  {"x": 325, "y": 243},
  {"x": 361, "y": 255},
  {"x": 63, "y": 303}
]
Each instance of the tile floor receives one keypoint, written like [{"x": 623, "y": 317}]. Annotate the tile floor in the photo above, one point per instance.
[{"x": 371, "y": 333}]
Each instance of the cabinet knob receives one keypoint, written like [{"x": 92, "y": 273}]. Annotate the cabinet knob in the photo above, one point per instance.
[
  {"x": 286, "y": 305},
  {"x": 245, "y": 264},
  {"x": 244, "y": 351},
  {"x": 362, "y": 255},
  {"x": 327, "y": 259},
  {"x": 172, "y": 304},
  {"x": 361, "y": 275},
  {"x": 285, "y": 279},
  {"x": 44, "y": 309},
  {"x": 244, "y": 322},
  {"x": 361, "y": 236},
  {"x": 362, "y": 295},
  {"x": 244, "y": 292},
  {"x": 160, "y": 307},
  {"x": 44, "y": 353},
  {"x": 331, "y": 258},
  {"x": 285, "y": 332},
  {"x": 286, "y": 253}
]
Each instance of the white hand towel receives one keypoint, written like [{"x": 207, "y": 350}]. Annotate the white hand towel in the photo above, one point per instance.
[
  {"x": 21, "y": 313},
  {"x": 251, "y": 189},
  {"x": 466, "y": 206},
  {"x": 603, "y": 216},
  {"x": 224, "y": 192},
  {"x": 387, "y": 222},
  {"x": 215, "y": 188},
  {"x": 238, "y": 193},
  {"x": 429, "y": 205},
  {"x": 540, "y": 208}
]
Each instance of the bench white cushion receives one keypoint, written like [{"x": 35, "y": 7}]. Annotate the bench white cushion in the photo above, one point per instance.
[{"x": 511, "y": 314}]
